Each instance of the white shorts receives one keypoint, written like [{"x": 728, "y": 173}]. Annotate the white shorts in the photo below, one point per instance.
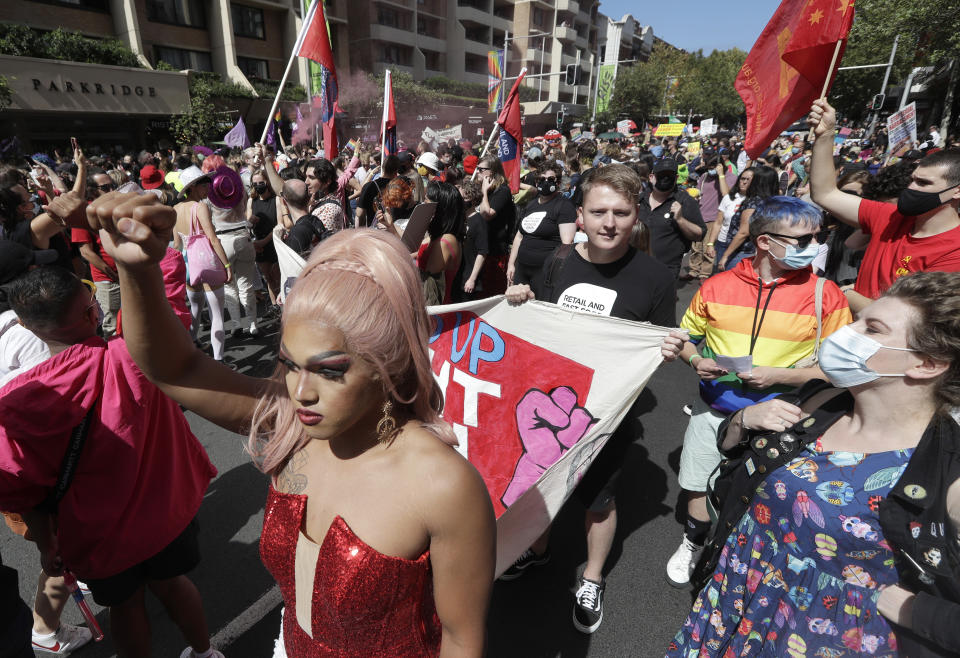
[{"x": 700, "y": 455}]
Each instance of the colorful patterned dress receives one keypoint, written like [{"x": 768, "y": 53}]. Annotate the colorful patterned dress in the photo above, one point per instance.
[{"x": 799, "y": 576}]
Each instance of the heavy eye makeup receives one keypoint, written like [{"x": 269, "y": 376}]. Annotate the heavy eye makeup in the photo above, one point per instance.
[{"x": 331, "y": 364}]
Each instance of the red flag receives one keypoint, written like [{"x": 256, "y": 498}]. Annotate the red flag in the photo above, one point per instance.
[
  {"x": 787, "y": 66},
  {"x": 316, "y": 46},
  {"x": 511, "y": 135},
  {"x": 388, "y": 126}
]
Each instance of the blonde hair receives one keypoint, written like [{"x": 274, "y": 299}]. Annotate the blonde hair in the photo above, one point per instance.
[{"x": 363, "y": 283}]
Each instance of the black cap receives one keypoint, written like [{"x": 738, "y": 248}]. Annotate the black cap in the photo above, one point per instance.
[
  {"x": 405, "y": 157},
  {"x": 912, "y": 154},
  {"x": 15, "y": 259},
  {"x": 665, "y": 164}
]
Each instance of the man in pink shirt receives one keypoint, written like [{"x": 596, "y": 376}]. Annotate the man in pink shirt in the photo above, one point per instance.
[{"x": 126, "y": 523}]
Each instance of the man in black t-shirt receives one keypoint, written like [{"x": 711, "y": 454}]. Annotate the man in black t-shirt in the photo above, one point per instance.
[
  {"x": 672, "y": 216},
  {"x": 370, "y": 195},
  {"x": 603, "y": 276}
]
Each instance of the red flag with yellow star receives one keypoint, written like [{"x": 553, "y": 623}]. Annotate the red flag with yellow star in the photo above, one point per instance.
[{"x": 787, "y": 66}]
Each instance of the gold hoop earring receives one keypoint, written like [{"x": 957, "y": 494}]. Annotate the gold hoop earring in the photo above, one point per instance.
[{"x": 387, "y": 426}]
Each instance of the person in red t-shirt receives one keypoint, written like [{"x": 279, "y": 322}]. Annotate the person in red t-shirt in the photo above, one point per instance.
[
  {"x": 920, "y": 233},
  {"x": 103, "y": 271}
]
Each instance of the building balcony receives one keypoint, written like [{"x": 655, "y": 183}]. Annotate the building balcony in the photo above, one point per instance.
[
  {"x": 432, "y": 43},
  {"x": 394, "y": 35},
  {"x": 568, "y": 5},
  {"x": 565, "y": 33},
  {"x": 474, "y": 15}
]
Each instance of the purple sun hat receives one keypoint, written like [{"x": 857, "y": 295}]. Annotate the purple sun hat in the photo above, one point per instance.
[{"x": 226, "y": 188}]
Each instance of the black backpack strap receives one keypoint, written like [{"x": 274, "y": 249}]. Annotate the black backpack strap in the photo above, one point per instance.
[
  {"x": 68, "y": 467},
  {"x": 554, "y": 266}
]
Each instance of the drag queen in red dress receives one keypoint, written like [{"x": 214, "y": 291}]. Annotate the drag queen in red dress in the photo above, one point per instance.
[{"x": 380, "y": 535}]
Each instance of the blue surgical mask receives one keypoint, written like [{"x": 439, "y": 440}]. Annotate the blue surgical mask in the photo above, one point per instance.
[
  {"x": 796, "y": 258},
  {"x": 844, "y": 354},
  {"x": 795, "y": 149}
]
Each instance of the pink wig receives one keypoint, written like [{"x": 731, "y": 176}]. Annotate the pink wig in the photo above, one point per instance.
[
  {"x": 363, "y": 283},
  {"x": 211, "y": 162}
]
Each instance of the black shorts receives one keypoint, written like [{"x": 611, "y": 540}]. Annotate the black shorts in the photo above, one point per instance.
[
  {"x": 598, "y": 487},
  {"x": 179, "y": 557}
]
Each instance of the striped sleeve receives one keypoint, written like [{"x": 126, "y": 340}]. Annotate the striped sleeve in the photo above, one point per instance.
[
  {"x": 695, "y": 318},
  {"x": 836, "y": 311}
]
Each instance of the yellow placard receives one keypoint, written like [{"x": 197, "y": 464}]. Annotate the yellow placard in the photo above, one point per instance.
[
  {"x": 693, "y": 148},
  {"x": 669, "y": 130}
]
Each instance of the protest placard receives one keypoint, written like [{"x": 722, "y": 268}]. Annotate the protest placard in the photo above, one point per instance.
[
  {"x": 902, "y": 127},
  {"x": 669, "y": 130}
]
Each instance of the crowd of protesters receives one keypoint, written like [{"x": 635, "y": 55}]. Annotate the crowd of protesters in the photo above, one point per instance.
[{"x": 125, "y": 280}]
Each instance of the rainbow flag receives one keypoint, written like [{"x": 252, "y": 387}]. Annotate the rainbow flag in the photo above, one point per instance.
[
  {"x": 277, "y": 117},
  {"x": 495, "y": 95},
  {"x": 353, "y": 144}
]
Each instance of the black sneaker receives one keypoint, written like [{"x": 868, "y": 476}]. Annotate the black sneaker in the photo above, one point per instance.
[
  {"x": 526, "y": 560},
  {"x": 588, "y": 607}
]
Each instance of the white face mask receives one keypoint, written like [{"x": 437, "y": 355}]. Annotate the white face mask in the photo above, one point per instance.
[{"x": 844, "y": 355}]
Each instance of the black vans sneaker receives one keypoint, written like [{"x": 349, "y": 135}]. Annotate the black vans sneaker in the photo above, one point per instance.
[
  {"x": 588, "y": 607},
  {"x": 526, "y": 560}
]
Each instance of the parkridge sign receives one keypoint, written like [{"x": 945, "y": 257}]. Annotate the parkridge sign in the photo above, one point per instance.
[{"x": 46, "y": 85}]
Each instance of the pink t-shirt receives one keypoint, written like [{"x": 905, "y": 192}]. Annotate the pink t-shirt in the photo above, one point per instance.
[{"x": 141, "y": 476}]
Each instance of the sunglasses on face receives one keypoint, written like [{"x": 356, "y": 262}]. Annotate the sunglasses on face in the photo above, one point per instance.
[
  {"x": 803, "y": 241},
  {"x": 548, "y": 179}
]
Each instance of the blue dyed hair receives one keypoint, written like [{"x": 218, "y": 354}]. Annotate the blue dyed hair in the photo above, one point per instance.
[{"x": 788, "y": 210}]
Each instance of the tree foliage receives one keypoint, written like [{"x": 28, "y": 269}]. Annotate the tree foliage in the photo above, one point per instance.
[
  {"x": 22, "y": 41},
  {"x": 6, "y": 94},
  {"x": 674, "y": 82},
  {"x": 929, "y": 35},
  {"x": 199, "y": 123}
]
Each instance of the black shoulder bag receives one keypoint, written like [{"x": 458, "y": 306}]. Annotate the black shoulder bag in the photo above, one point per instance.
[
  {"x": 748, "y": 464},
  {"x": 68, "y": 467}
]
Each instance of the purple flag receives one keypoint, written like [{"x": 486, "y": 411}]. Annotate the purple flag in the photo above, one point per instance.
[
  {"x": 237, "y": 137},
  {"x": 271, "y": 139}
]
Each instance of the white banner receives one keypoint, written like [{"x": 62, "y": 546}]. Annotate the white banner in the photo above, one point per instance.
[
  {"x": 707, "y": 127},
  {"x": 532, "y": 403},
  {"x": 290, "y": 263},
  {"x": 434, "y": 137}
]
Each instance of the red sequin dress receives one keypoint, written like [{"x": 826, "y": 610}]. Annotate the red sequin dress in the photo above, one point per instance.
[{"x": 364, "y": 603}]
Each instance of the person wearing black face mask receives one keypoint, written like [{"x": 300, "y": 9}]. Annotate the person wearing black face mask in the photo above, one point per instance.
[
  {"x": 262, "y": 215},
  {"x": 547, "y": 221},
  {"x": 920, "y": 233},
  {"x": 672, "y": 215}
]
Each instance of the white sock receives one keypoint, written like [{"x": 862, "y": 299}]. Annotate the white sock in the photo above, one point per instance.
[
  {"x": 206, "y": 654},
  {"x": 44, "y": 639}
]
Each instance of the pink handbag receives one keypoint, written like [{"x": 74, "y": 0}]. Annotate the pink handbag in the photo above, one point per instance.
[{"x": 203, "y": 264}]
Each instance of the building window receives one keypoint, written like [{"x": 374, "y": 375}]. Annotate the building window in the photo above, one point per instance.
[
  {"x": 392, "y": 18},
  {"x": 538, "y": 16},
  {"x": 392, "y": 54},
  {"x": 247, "y": 21},
  {"x": 94, "y": 5},
  {"x": 253, "y": 68},
  {"x": 181, "y": 59},
  {"x": 177, "y": 12}
]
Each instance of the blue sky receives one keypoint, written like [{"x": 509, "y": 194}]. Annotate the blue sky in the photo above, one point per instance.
[{"x": 706, "y": 24}]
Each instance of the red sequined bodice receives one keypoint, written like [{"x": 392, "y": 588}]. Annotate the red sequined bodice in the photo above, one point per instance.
[{"x": 364, "y": 603}]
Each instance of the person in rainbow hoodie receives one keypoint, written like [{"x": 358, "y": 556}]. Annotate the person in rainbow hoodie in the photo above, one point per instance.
[{"x": 754, "y": 332}]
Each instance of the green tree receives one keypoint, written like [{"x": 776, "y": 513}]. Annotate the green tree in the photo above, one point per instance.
[
  {"x": 6, "y": 95},
  {"x": 929, "y": 36},
  {"x": 198, "y": 124}
]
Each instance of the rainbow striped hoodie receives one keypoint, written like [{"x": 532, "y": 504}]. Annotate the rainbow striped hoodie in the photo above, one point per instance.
[{"x": 725, "y": 313}]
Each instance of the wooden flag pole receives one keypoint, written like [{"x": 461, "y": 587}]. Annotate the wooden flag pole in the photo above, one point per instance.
[{"x": 833, "y": 63}]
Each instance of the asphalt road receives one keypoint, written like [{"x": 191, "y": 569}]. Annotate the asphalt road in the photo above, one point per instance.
[{"x": 529, "y": 617}]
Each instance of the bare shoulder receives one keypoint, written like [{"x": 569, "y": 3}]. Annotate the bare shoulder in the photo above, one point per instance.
[{"x": 447, "y": 483}]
